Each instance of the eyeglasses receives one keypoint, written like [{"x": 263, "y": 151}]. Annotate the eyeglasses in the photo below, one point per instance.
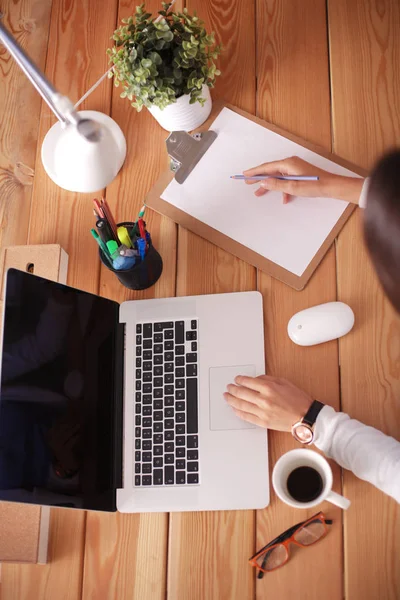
[{"x": 276, "y": 553}]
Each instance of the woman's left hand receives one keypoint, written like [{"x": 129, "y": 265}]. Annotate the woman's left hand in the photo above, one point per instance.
[{"x": 268, "y": 402}]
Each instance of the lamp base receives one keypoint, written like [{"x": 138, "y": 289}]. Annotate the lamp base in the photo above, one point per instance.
[{"x": 87, "y": 184}]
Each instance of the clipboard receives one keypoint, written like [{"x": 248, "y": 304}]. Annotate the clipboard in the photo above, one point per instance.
[{"x": 153, "y": 200}]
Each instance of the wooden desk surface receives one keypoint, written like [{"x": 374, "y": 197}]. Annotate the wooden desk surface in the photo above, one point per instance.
[{"x": 329, "y": 75}]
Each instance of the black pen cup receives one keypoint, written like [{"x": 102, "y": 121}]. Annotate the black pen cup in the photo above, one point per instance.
[{"x": 142, "y": 275}]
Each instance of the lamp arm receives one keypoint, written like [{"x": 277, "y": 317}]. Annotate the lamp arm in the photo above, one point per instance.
[{"x": 61, "y": 106}]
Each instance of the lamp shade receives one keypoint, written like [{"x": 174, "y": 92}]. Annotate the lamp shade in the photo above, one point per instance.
[{"x": 78, "y": 164}]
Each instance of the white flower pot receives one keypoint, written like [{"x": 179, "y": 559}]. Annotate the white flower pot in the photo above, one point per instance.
[{"x": 182, "y": 116}]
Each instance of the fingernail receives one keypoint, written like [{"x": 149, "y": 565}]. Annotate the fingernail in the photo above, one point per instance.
[{"x": 238, "y": 379}]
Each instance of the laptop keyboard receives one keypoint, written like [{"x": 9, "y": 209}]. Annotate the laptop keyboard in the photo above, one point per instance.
[{"x": 166, "y": 403}]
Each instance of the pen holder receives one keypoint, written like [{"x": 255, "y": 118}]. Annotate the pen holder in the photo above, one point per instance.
[{"x": 142, "y": 275}]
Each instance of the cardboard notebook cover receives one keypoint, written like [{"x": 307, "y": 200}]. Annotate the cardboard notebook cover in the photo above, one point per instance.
[
  {"x": 24, "y": 533},
  {"x": 24, "y": 528},
  {"x": 154, "y": 201}
]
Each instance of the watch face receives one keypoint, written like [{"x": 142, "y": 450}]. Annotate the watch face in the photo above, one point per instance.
[{"x": 303, "y": 433}]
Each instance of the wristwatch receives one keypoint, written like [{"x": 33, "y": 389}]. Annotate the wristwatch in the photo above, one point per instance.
[{"x": 303, "y": 430}]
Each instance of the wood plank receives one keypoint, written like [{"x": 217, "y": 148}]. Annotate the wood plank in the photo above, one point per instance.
[
  {"x": 366, "y": 99},
  {"x": 216, "y": 541},
  {"x": 28, "y": 21},
  {"x": 136, "y": 544},
  {"x": 125, "y": 557},
  {"x": 293, "y": 92},
  {"x": 79, "y": 35}
]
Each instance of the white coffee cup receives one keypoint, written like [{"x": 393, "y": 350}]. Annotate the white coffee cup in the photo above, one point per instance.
[{"x": 305, "y": 458}]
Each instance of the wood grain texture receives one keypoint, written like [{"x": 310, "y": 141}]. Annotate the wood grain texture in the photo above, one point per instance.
[
  {"x": 293, "y": 92},
  {"x": 208, "y": 552},
  {"x": 365, "y": 56},
  {"x": 126, "y": 555},
  {"x": 366, "y": 98},
  {"x": 292, "y": 67},
  {"x": 234, "y": 25},
  {"x": 28, "y": 21}
]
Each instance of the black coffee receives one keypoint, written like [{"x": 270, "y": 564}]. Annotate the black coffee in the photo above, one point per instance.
[{"x": 304, "y": 484}]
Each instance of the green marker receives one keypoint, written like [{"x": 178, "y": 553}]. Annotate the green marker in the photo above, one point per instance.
[
  {"x": 112, "y": 248},
  {"x": 102, "y": 245}
]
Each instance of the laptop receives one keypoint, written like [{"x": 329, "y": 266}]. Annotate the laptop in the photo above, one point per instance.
[{"x": 120, "y": 407}]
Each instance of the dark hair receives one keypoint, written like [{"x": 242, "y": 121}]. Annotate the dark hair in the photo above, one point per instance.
[{"x": 382, "y": 224}]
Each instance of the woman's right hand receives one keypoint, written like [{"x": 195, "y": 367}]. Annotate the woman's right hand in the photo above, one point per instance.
[{"x": 328, "y": 185}]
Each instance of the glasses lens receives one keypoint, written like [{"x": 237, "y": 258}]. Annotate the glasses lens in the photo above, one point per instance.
[
  {"x": 272, "y": 558},
  {"x": 310, "y": 533}
]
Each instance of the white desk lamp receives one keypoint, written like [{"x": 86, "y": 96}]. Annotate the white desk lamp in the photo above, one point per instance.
[{"x": 84, "y": 151}]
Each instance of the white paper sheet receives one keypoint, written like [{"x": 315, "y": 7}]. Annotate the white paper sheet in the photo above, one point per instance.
[{"x": 289, "y": 235}]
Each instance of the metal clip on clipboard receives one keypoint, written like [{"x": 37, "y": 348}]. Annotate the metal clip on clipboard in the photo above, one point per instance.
[{"x": 186, "y": 150}]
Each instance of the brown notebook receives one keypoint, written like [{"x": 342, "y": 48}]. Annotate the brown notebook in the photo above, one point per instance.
[{"x": 24, "y": 532}]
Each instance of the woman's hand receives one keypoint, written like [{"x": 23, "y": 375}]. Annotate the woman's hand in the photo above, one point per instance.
[
  {"x": 328, "y": 185},
  {"x": 268, "y": 402}
]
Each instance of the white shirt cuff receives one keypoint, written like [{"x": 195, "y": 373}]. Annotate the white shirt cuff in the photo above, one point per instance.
[{"x": 364, "y": 192}]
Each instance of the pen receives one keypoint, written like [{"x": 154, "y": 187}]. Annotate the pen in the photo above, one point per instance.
[
  {"x": 282, "y": 177},
  {"x": 101, "y": 244},
  {"x": 141, "y": 212}
]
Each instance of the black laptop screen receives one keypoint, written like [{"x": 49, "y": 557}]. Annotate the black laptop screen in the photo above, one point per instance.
[{"x": 60, "y": 395}]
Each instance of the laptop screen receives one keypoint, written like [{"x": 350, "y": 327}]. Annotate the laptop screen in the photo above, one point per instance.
[{"x": 61, "y": 401}]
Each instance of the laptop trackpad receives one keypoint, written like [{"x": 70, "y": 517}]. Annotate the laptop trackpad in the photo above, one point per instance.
[{"x": 221, "y": 414}]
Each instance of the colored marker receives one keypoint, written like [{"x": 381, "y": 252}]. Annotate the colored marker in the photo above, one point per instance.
[
  {"x": 281, "y": 177},
  {"x": 104, "y": 230},
  {"x": 112, "y": 248},
  {"x": 98, "y": 209},
  {"x": 142, "y": 248},
  {"x": 142, "y": 229},
  {"x": 102, "y": 245},
  {"x": 123, "y": 236}
]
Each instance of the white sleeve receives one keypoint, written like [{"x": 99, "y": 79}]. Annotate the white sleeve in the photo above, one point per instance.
[
  {"x": 363, "y": 196},
  {"x": 369, "y": 453}
]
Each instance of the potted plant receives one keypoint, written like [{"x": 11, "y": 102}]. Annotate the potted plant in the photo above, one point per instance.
[{"x": 167, "y": 65}]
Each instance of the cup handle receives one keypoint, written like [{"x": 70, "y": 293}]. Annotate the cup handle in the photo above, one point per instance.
[{"x": 339, "y": 500}]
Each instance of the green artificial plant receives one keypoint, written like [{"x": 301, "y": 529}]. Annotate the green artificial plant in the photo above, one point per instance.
[{"x": 156, "y": 62}]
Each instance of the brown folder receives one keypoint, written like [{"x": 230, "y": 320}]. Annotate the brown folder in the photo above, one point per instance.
[{"x": 154, "y": 200}]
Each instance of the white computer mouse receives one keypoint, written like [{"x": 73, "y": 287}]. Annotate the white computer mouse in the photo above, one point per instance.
[{"x": 320, "y": 323}]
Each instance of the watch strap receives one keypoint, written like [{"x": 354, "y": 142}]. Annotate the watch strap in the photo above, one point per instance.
[{"x": 311, "y": 415}]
